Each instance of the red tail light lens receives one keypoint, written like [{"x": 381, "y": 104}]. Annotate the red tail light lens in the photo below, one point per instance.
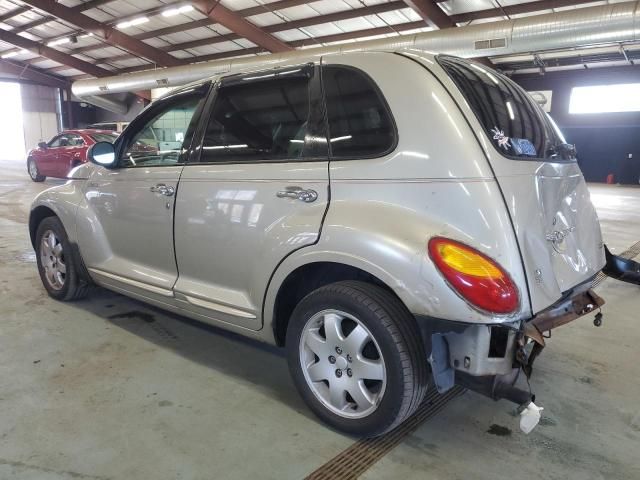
[{"x": 477, "y": 278}]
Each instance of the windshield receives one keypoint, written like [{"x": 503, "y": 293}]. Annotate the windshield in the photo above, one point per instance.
[
  {"x": 512, "y": 120},
  {"x": 103, "y": 137}
]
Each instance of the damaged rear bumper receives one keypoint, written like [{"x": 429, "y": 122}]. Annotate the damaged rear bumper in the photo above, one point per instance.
[
  {"x": 620, "y": 268},
  {"x": 489, "y": 358}
]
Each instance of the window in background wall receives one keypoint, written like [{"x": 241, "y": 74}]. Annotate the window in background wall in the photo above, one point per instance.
[
  {"x": 11, "y": 122},
  {"x": 623, "y": 97}
]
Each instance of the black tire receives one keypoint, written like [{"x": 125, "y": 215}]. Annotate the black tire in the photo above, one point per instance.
[
  {"x": 74, "y": 286},
  {"x": 32, "y": 167},
  {"x": 398, "y": 338}
]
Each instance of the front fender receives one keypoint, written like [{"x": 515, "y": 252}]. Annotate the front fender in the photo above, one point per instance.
[{"x": 63, "y": 202}]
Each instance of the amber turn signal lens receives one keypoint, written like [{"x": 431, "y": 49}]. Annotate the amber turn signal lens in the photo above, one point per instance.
[{"x": 476, "y": 277}]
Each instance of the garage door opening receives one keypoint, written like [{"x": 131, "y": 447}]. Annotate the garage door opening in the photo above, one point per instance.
[{"x": 11, "y": 122}]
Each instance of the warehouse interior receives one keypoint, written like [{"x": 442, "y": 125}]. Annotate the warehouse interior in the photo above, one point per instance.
[{"x": 110, "y": 387}]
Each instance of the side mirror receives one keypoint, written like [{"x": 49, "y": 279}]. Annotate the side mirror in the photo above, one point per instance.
[
  {"x": 102, "y": 153},
  {"x": 42, "y": 145}
]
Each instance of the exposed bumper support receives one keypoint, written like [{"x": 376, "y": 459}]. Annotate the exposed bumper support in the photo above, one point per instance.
[
  {"x": 621, "y": 268},
  {"x": 488, "y": 358},
  {"x": 567, "y": 310}
]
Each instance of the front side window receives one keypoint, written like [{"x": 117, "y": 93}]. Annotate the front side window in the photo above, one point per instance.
[
  {"x": 75, "y": 140},
  {"x": 163, "y": 139},
  {"x": 360, "y": 124},
  {"x": 55, "y": 141},
  {"x": 256, "y": 119},
  {"x": 512, "y": 120}
]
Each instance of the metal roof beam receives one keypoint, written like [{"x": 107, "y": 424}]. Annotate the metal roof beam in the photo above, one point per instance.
[
  {"x": 13, "y": 13},
  {"x": 279, "y": 27},
  {"x": 519, "y": 8},
  {"x": 41, "y": 21},
  {"x": 205, "y": 22},
  {"x": 431, "y": 13},
  {"x": 110, "y": 34},
  {"x": 234, "y": 22},
  {"x": 300, "y": 43},
  {"x": 26, "y": 72},
  {"x": 245, "y": 12},
  {"x": 52, "y": 54}
]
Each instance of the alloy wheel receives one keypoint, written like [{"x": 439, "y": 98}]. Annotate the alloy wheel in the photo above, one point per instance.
[
  {"x": 342, "y": 364},
  {"x": 33, "y": 169},
  {"x": 53, "y": 260}
]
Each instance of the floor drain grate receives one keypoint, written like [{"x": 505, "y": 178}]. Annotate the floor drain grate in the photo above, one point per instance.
[
  {"x": 362, "y": 455},
  {"x": 630, "y": 253}
]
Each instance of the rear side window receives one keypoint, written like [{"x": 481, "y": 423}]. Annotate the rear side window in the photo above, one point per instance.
[
  {"x": 360, "y": 124},
  {"x": 256, "y": 119},
  {"x": 515, "y": 124}
]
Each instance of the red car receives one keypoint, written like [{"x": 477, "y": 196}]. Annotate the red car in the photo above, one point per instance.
[{"x": 64, "y": 152}]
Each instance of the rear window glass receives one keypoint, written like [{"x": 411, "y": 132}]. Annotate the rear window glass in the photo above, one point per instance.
[
  {"x": 512, "y": 120},
  {"x": 360, "y": 124}
]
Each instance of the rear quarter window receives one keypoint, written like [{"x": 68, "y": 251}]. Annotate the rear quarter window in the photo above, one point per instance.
[{"x": 360, "y": 123}]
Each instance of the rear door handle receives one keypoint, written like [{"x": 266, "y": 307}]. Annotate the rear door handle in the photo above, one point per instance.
[
  {"x": 163, "y": 189},
  {"x": 298, "y": 193}
]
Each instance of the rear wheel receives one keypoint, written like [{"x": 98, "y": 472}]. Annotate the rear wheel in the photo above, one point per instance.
[
  {"x": 57, "y": 265},
  {"x": 356, "y": 357},
  {"x": 32, "y": 168}
]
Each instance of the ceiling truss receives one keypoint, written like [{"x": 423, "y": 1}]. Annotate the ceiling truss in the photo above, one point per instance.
[{"x": 148, "y": 52}]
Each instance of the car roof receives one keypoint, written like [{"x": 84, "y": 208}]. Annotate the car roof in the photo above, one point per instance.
[{"x": 279, "y": 64}]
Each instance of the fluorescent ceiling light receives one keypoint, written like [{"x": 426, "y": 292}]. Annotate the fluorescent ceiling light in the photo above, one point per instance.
[
  {"x": 171, "y": 12},
  {"x": 9, "y": 54},
  {"x": 86, "y": 35},
  {"x": 132, "y": 23},
  {"x": 60, "y": 41}
]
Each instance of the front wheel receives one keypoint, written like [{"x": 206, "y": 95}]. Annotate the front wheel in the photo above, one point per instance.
[
  {"x": 356, "y": 357},
  {"x": 34, "y": 173},
  {"x": 57, "y": 265}
]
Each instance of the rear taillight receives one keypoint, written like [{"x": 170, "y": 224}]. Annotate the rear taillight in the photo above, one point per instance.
[{"x": 477, "y": 278}]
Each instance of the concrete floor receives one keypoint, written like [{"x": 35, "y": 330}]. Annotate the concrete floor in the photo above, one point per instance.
[{"x": 108, "y": 388}]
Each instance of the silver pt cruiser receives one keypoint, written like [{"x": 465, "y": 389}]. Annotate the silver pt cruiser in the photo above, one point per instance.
[{"x": 393, "y": 219}]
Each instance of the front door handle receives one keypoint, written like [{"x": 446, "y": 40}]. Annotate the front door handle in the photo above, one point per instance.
[
  {"x": 298, "y": 193},
  {"x": 163, "y": 189}
]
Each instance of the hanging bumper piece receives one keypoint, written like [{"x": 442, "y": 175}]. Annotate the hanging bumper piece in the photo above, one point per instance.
[{"x": 621, "y": 269}]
